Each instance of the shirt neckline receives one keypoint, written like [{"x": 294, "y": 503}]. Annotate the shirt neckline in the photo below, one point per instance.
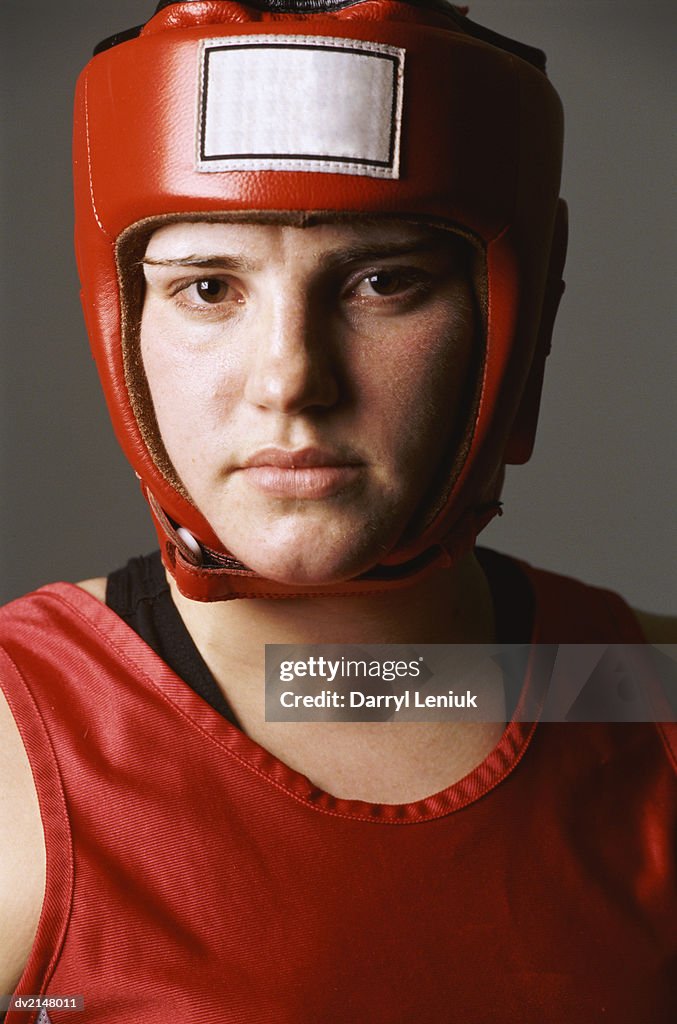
[{"x": 152, "y": 671}]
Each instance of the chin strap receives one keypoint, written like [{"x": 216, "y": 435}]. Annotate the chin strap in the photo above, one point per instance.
[{"x": 202, "y": 574}]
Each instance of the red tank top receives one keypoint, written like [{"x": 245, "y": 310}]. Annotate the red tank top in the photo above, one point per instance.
[{"x": 192, "y": 877}]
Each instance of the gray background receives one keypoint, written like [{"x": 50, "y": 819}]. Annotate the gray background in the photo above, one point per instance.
[{"x": 599, "y": 496}]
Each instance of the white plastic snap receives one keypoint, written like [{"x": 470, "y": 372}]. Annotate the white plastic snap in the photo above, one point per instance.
[{"x": 190, "y": 542}]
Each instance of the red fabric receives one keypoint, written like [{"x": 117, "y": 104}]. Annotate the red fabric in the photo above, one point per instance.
[{"x": 193, "y": 877}]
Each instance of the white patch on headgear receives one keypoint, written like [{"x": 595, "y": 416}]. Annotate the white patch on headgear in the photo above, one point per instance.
[{"x": 300, "y": 103}]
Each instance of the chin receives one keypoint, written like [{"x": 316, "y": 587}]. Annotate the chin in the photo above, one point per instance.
[
  {"x": 303, "y": 564},
  {"x": 305, "y": 573},
  {"x": 309, "y": 551}
]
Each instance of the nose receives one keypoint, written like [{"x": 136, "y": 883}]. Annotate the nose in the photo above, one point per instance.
[{"x": 293, "y": 367}]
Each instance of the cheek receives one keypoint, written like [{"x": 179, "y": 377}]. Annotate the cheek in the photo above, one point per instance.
[
  {"x": 189, "y": 378},
  {"x": 191, "y": 388},
  {"x": 413, "y": 396}
]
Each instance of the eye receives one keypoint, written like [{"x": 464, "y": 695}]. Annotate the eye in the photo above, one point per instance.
[
  {"x": 211, "y": 290},
  {"x": 385, "y": 282},
  {"x": 389, "y": 289}
]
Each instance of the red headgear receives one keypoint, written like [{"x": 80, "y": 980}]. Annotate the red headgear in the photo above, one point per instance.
[{"x": 461, "y": 129}]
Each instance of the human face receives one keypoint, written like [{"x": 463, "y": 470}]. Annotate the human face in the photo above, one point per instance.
[{"x": 307, "y": 382}]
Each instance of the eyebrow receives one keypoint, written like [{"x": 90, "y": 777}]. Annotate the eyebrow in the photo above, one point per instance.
[
  {"x": 348, "y": 254},
  {"x": 221, "y": 262},
  {"x": 379, "y": 250}
]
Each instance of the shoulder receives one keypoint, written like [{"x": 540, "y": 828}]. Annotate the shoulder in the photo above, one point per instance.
[
  {"x": 568, "y": 610},
  {"x": 22, "y": 853},
  {"x": 657, "y": 629},
  {"x": 96, "y": 587},
  {"x": 25, "y": 626},
  {"x": 22, "y": 847},
  {"x": 566, "y": 594},
  {"x": 50, "y": 611}
]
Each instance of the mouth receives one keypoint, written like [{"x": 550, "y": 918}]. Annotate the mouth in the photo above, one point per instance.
[{"x": 304, "y": 473}]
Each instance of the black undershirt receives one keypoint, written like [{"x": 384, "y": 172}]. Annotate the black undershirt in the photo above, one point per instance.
[{"x": 140, "y": 595}]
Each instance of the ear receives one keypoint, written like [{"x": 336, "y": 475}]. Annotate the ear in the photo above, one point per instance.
[{"x": 521, "y": 441}]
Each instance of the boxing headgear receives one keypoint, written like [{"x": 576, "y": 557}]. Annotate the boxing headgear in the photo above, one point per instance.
[{"x": 432, "y": 118}]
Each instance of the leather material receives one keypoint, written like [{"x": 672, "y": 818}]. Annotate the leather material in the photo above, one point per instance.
[
  {"x": 481, "y": 153},
  {"x": 191, "y": 876},
  {"x": 228, "y": 580}
]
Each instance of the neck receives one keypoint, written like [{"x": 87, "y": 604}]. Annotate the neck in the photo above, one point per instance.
[
  {"x": 450, "y": 606},
  {"x": 377, "y": 762}
]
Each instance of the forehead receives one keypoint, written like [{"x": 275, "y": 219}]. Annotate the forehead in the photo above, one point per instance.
[{"x": 181, "y": 240}]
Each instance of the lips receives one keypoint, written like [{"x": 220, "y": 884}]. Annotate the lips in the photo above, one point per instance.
[{"x": 305, "y": 473}]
